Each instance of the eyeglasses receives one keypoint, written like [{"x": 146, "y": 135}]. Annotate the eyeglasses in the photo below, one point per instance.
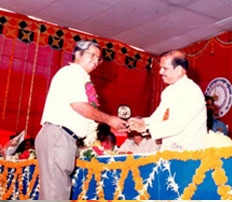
[{"x": 94, "y": 57}]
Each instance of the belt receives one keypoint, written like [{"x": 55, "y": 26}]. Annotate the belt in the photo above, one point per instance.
[{"x": 67, "y": 130}]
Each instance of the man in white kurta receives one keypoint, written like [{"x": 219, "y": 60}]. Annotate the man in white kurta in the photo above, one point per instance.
[
  {"x": 180, "y": 119},
  {"x": 69, "y": 112},
  {"x": 185, "y": 123}
]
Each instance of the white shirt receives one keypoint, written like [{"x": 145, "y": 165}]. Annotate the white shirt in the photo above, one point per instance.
[
  {"x": 185, "y": 122},
  {"x": 67, "y": 86},
  {"x": 145, "y": 146}
]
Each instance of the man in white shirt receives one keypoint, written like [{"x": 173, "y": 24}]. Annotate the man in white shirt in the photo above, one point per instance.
[
  {"x": 180, "y": 119},
  {"x": 69, "y": 114},
  {"x": 138, "y": 144}
]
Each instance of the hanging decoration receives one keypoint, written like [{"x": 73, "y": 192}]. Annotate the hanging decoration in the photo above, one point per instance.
[
  {"x": 49, "y": 47},
  {"x": 56, "y": 37},
  {"x": 167, "y": 175}
]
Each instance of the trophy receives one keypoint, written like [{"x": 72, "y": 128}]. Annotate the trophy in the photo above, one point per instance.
[{"x": 124, "y": 112}]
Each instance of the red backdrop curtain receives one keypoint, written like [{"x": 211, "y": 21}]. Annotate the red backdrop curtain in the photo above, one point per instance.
[
  {"x": 31, "y": 52},
  {"x": 211, "y": 59}
]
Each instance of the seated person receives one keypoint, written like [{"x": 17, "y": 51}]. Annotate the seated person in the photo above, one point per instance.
[
  {"x": 104, "y": 145},
  {"x": 102, "y": 131},
  {"x": 109, "y": 142},
  {"x": 136, "y": 143},
  {"x": 26, "y": 149},
  {"x": 11, "y": 146},
  {"x": 213, "y": 123}
]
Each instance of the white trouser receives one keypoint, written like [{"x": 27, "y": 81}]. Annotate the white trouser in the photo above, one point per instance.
[{"x": 56, "y": 154}]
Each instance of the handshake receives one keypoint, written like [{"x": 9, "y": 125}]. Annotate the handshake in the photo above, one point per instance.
[
  {"x": 134, "y": 124},
  {"x": 127, "y": 124}
]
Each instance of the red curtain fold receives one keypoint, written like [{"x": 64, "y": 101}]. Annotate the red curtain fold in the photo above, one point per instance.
[
  {"x": 210, "y": 59},
  {"x": 31, "y": 52},
  {"x": 119, "y": 85}
]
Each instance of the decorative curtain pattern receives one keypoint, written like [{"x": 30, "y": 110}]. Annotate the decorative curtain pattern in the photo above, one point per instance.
[
  {"x": 31, "y": 52},
  {"x": 210, "y": 59}
]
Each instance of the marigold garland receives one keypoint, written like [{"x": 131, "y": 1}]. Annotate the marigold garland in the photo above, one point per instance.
[
  {"x": 219, "y": 177},
  {"x": 20, "y": 177},
  {"x": 139, "y": 184},
  {"x": 119, "y": 189},
  {"x": 3, "y": 180},
  {"x": 210, "y": 160},
  {"x": 86, "y": 184},
  {"x": 99, "y": 185},
  {"x": 7, "y": 193},
  {"x": 32, "y": 182},
  {"x": 32, "y": 81},
  {"x": 192, "y": 54},
  {"x": 189, "y": 191}
]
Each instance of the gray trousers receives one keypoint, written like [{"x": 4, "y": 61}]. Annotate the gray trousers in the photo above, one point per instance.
[{"x": 56, "y": 153}]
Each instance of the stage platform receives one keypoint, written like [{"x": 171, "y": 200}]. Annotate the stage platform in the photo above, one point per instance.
[{"x": 168, "y": 175}]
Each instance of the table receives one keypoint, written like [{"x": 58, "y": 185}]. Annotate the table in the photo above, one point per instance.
[{"x": 168, "y": 175}]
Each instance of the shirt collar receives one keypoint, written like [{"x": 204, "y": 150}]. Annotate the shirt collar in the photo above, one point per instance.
[
  {"x": 181, "y": 80},
  {"x": 83, "y": 72}
]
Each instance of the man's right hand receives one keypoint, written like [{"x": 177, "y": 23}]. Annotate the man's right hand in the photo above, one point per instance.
[{"x": 117, "y": 123}]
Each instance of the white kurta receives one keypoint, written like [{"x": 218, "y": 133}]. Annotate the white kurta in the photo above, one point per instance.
[
  {"x": 68, "y": 85},
  {"x": 180, "y": 119}
]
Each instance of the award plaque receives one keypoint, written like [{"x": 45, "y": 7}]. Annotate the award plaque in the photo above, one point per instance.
[{"x": 124, "y": 112}]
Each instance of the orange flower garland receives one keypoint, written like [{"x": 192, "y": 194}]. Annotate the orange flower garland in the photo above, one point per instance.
[
  {"x": 86, "y": 184},
  {"x": 119, "y": 189},
  {"x": 18, "y": 177},
  {"x": 8, "y": 193},
  {"x": 210, "y": 160},
  {"x": 32, "y": 182}
]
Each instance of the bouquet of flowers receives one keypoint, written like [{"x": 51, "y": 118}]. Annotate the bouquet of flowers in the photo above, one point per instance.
[
  {"x": 97, "y": 149},
  {"x": 91, "y": 94},
  {"x": 27, "y": 154}
]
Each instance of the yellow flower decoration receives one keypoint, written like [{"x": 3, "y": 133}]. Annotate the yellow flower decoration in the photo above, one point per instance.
[
  {"x": 223, "y": 190},
  {"x": 210, "y": 160},
  {"x": 189, "y": 191},
  {"x": 198, "y": 178},
  {"x": 18, "y": 177},
  {"x": 219, "y": 177}
]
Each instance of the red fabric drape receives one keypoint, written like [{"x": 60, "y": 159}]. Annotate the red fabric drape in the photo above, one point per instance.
[
  {"x": 118, "y": 85},
  {"x": 210, "y": 59},
  {"x": 31, "y": 52}
]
